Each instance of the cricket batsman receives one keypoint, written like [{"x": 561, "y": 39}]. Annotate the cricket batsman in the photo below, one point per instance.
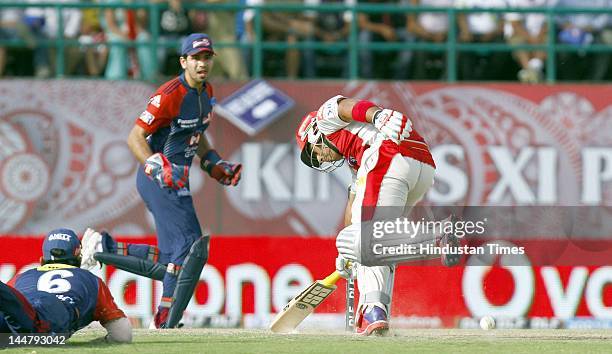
[
  {"x": 59, "y": 297},
  {"x": 165, "y": 139},
  {"x": 391, "y": 166}
]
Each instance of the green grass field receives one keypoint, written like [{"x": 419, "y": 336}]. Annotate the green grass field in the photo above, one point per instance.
[{"x": 224, "y": 341}]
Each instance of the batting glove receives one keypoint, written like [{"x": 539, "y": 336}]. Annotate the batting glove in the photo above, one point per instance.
[
  {"x": 393, "y": 124},
  {"x": 166, "y": 174},
  {"x": 226, "y": 173},
  {"x": 344, "y": 267}
]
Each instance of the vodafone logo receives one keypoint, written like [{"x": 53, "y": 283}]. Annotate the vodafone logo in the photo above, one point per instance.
[{"x": 583, "y": 286}]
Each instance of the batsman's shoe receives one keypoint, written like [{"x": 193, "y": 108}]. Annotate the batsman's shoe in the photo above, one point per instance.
[
  {"x": 452, "y": 258},
  {"x": 373, "y": 322},
  {"x": 91, "y": 243}
]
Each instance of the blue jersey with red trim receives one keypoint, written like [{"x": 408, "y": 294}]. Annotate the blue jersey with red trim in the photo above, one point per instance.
[
  {"x": 67, "y": 297},
  {"x": 176, "y": 117}
]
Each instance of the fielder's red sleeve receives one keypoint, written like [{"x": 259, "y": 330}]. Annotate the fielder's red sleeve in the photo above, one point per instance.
[
  {"x": 163, "y": 106},
  {"x": 106, "y": 309}
]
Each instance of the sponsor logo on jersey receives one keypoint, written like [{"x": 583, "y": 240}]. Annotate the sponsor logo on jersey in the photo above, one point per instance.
[
  {"x": 188, "y": 123},
  {"x": 192, "y": 145},
  {"x": 194, "y": 139},
  {"x": 147, "y": 117},
  {"x": 155, "y": 101},
  {"x": 63, "y": 237}
]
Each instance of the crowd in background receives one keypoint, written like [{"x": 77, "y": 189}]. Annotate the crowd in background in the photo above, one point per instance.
[{"x": 100, "y": 32}]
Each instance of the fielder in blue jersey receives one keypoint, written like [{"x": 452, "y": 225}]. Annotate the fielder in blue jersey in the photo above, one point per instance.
[
  {"x": 60, "y": 297},
  {"x": 165, "y": 138}
]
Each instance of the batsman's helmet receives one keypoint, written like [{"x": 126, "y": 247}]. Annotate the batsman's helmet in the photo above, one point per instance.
[{"x": 307, "y": 137}]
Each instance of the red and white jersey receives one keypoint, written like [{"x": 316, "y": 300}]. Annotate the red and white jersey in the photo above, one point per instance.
[{"x": 354, "y": 138}]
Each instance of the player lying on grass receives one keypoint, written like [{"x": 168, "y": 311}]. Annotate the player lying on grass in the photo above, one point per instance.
[
  {"x": 391, "y": 166},
  {"x": 59, "y": 297}
]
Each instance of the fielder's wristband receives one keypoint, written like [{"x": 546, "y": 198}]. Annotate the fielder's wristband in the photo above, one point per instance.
[
  {"x": 209, "y": 160},
  {"x": 360, "y": 109}
]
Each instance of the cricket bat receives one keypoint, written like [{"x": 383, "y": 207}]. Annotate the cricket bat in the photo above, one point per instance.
[{"x": 304, "y": 304}]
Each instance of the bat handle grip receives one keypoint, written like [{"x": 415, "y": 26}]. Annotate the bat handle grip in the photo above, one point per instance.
[{"x": 332, "y": 279}]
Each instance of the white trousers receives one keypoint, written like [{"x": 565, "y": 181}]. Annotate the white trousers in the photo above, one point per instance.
[{"x": 402, "y": 185}]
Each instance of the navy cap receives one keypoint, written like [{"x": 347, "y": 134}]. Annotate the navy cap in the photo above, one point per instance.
[
  {"x": 195, "y": 43},
  {"x": 61, "y": 244}
]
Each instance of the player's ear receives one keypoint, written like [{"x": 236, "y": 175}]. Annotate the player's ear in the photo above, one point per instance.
[
  {"x": 41, "y": 261},
  {"x": 183, "y": 62}
]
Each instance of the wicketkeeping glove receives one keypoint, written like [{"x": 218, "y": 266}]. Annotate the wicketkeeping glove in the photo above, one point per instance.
[
  {"x": 166, "y": 174},
  {"x": 393, "y": 124},
  {"x": 224, "y": 172}
]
